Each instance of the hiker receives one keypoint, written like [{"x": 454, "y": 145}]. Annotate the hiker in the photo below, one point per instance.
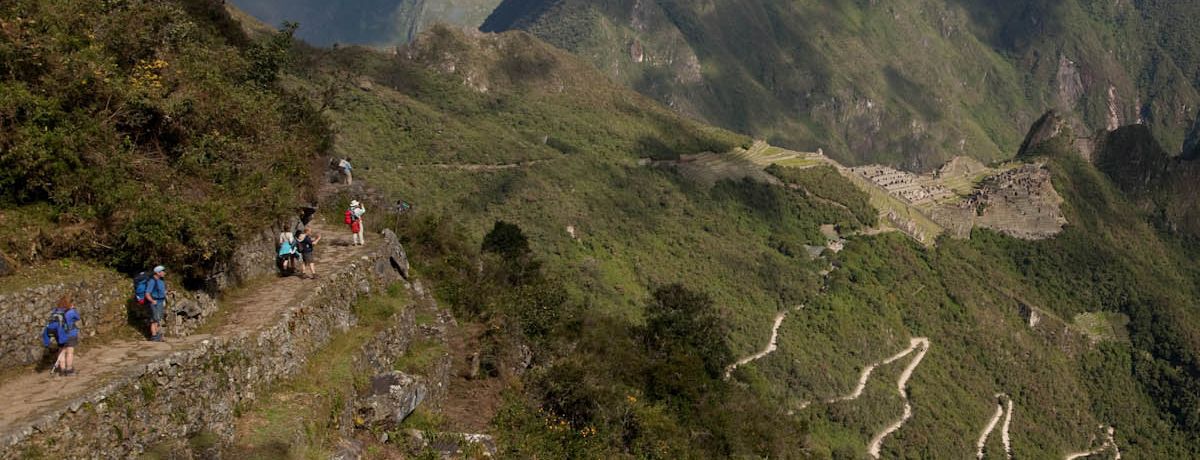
[
  {"x": 402, "y": 206},
  {"x": 156, "y": 296},
  {"x": 306, "y": 243},
  {"x": 344, "y": 166},
  {"x": 354, "y": 219},
  {"x": 287, "y": 252},
  {"x": 64, "y": 326}
]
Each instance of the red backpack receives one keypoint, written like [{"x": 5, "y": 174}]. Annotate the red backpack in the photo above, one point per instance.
[{"x": 349, "y": 217}]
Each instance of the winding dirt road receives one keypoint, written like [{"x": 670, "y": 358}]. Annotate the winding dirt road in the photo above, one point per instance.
[
  {"x": 901, "y": 386},
  {"x": 772, "y": 345},
  {"x": 987, "y": 431},
  {"x": 1110, "y": 442}
]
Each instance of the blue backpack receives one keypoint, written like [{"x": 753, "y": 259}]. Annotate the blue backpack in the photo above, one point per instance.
[
  {"x": 58, "y": 326},
  {"x": 141, "y": 284}
]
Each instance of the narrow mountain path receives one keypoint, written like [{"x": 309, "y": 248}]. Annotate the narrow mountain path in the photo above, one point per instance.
[
  {"x": 24, "y": 397},
  {"x": 475, "y": 166},
  {"x": 1110, "y": 442},
  {"x": 918, "y": 344},
  {"x": 1001, "y": 400},
  {"x": 1005, "y": 440},
  {"x": 902, "y": 387},
  {"x": 772, "y": 345}
]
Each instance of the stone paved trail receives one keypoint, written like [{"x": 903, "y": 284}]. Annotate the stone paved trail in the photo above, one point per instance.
[{"x": 23, "y": 398}]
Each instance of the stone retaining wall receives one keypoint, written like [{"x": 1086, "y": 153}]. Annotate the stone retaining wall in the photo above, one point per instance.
[
  {"x": 392, "y": 395},
  {"x": 197, "y": 392},
  {"x": 103, "y": 301}
]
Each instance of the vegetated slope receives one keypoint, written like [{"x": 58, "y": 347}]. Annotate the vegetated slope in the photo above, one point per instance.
[
  {"x": 626, "y": 362},
  {"x": 1001, "y": 312},
  {"x": 909, "y": 83},
  {"x": 367, "y": 22},
  {"x": 1162, "y": 185},
  {"x": 163, "y": 142},
  {"x": 575, "y": 141}
]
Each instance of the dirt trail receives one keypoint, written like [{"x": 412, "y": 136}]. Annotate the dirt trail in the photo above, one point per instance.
[
  {"x": 987, "y": 431},
  {"x": 866, "y": 372},
  {"x": 923, "y": 344},
  {"x": 902, "y": 387},
  {"x": 770, "y": 348},
  {"x": 24, "y": 397},
  {"x": 476, "y": 166},
  {"x": 1110, "y": 442},
  {"x": 1004, "y": 438}
]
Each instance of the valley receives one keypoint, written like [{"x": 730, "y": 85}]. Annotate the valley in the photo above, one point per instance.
[{"x": 585, "y": 241}]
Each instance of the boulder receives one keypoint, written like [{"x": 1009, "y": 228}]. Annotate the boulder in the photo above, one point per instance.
[
  {"x": 393, "y": 397},
  {"x": 397, "y": 259}
]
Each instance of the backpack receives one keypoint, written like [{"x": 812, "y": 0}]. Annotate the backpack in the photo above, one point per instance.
[
  {"x": 140, "y": 286},
  {"x": 349, "y": 216},
  {"x": 58, "y": 323}
]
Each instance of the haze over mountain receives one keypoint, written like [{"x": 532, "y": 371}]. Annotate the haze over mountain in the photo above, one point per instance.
[
  {"x": 908, "y": 83},
  {"x": 366, "y": 22}
]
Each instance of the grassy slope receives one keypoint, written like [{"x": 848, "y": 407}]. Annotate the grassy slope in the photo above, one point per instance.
[{"x": 640, "y": 227}]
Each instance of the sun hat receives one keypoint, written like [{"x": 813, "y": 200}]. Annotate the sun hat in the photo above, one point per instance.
[{"x": 353, "y": 203}]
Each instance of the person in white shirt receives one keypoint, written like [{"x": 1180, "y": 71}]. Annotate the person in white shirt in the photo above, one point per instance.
[{"x": 344, "y": 165}]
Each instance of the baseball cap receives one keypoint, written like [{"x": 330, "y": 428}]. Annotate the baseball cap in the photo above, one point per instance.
[{"x": 160, "y": 269}]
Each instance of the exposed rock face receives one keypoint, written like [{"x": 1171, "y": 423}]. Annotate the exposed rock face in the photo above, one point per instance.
[
  {"x": 1070, "y": 85},
  {"x": 246, "y": 262}
]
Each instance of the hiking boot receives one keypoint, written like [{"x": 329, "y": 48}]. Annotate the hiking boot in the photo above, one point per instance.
[{"x": 68, "y": 372}]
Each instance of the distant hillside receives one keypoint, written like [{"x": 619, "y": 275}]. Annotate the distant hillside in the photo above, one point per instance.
[
  {"x": 1162, "y": 185},
  {"x": 908, "y": 83},
  {"x": 1088, "y": 327},
  {"x": 367, "y": 22}
]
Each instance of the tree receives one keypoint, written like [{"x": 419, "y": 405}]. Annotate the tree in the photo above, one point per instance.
[{"x": 683, "y": 324}]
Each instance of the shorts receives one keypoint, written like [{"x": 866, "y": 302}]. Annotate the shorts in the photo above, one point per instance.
[
  {"x": 71, "y": 342},
  {"x": 156, "y": 311},
  {"x": 308, "y": 257}
]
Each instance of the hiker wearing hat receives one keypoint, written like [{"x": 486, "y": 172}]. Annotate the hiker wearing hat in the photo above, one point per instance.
[
  {"x": 156, "y": 298},
  {"x": 354, "y": 220}
]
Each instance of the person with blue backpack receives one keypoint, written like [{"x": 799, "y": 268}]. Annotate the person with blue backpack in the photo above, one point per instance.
[
  {"x": 151, "y": 290},
  {"x": 63, "y": 327}
]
